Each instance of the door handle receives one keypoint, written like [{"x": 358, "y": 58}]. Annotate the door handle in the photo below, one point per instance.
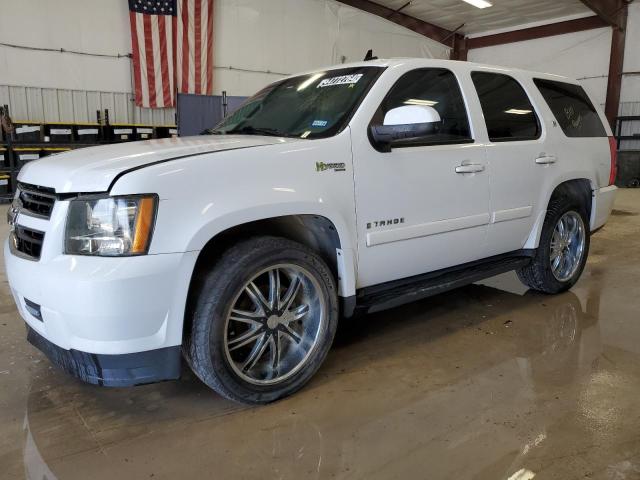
[
  {"x": 546, "y": 159},
  {"x": 470, "y": 168}
]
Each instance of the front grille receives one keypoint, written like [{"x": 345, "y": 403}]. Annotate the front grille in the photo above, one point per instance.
[
  {"x": 28, "y": 242},
  {"x": 36, "y": 201}
]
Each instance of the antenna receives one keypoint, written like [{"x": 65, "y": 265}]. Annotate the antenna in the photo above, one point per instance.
[{"x": 369, "y": 56}]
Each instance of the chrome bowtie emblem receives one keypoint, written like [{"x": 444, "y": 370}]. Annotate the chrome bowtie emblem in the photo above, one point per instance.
[{"x": 12, "y": 216}]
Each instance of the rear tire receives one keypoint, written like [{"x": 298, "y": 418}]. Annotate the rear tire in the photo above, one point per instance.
[
  {"x": 551, "y": 270},
  {"x": 263, "y": 320}
]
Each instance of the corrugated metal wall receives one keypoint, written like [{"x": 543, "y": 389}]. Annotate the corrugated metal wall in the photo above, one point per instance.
[
  {"x": 632, "y": 127},
  {"x": 76, "y": 106}
]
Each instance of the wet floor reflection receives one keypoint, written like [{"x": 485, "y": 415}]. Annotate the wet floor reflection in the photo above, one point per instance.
[{"x": 477, "y": 383}]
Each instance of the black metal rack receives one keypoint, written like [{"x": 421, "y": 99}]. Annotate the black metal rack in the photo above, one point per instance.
[
  {"x": 15, "y": 149},
  {"x": 620, "y": 121},
  {"x": 628, "y": 158}
]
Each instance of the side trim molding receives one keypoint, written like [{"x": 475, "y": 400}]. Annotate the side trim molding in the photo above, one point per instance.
[
  {"x": 426, "y": 229},
  {"x": 511, "y": 214}
]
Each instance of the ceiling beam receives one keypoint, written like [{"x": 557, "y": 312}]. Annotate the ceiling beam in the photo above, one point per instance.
[
  {"x": 558, "y": 28},
  {"x": 398, "y": 10},
  {"x": 426, "y": 29},
  {"x": 607, "y": 10}
]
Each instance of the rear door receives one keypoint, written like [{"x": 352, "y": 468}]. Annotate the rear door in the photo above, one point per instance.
[
  {"x": 517, "y": 156},
  {"x": 579, "y": 136}
]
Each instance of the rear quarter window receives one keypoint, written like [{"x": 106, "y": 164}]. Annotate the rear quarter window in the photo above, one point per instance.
[{"x": 571, "y": 108}]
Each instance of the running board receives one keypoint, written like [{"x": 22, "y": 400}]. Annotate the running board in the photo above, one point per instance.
[{"x": 398, "y": 292}]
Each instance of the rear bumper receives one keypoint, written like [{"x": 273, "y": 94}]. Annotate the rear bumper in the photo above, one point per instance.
[
  {"x": 603, "y": 200},
  {"x": 112, "y": 370}
]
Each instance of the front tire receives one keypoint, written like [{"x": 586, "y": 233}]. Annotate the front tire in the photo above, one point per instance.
[
  {"x": 263, "y": 320},
  {"x": 563, "y": 249}
]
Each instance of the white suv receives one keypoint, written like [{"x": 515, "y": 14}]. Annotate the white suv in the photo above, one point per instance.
[{"x": 351, "y": 189}]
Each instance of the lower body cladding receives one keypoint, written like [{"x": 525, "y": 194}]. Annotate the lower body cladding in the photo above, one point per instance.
[
  {"x": 108, "y": 321},
  {"x": 112, "y": 370}
]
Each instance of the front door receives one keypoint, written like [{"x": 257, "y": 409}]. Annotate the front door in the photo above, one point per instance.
[{"x": 424, "y": 205}]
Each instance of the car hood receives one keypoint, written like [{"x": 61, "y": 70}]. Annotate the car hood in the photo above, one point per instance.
[{"x": 94, "y": 169}]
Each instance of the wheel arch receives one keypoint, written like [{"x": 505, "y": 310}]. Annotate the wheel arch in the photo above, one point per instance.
[
  {"x": 317, "y": 232},
  {"x": 581, "y": 188}
]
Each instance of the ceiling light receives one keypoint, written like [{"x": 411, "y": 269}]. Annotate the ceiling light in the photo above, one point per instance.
[
  {"x": 516, "y": 111},
  {"x": 424, "y": 103},
  {"x": 479, "y": 3}
]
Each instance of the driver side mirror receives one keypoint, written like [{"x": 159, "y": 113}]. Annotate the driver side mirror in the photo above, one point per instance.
[{"x": 408, "y": 122}]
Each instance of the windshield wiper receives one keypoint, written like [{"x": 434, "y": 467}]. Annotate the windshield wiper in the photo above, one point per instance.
[{"x": 250, "y": 130}]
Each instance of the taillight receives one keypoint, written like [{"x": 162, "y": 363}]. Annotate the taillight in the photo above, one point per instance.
[{"x": 613, "y": 147}]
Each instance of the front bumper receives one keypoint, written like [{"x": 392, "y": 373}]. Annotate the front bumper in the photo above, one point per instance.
[
  {"x": 109, "y": 320},
  {"x": 103, "y": 305},
  {"x": 112, "y": 370}
]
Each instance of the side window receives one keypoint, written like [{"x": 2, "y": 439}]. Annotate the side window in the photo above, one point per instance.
[
  {"x": 507, "y": 110},
  {"x": 431, "y": 87},
  {"x": 572, "y": 108}
]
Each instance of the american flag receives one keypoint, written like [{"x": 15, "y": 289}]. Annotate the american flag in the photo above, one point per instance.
[{"x": 172, "y": 43}]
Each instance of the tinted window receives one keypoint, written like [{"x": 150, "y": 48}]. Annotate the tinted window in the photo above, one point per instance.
[
  {"x": 572, "y": 108},
  {"x": 507, "y": 110},
  {"x": 437, "y": 88},
  {"x": 315, "y": 105}
]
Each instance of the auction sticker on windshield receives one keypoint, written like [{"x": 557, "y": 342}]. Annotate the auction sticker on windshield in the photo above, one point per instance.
[{"x": 343, "y": 80}]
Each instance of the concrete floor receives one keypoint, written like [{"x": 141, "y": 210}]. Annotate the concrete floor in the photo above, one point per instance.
[{"x": 487, "y": 382}]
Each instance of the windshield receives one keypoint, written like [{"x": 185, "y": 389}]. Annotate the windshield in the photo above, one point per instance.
[{"x": 317, "y": 105}]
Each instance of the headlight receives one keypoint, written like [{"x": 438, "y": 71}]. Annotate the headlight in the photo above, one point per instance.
[{"x": 110, "y": 226}]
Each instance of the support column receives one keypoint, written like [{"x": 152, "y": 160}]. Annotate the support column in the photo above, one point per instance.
[
  {"x": 459, "y": 50},
  {"x": 616, "y": 64}
]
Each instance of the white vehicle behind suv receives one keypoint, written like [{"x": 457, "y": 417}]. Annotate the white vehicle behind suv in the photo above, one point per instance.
[{"x": 351, "y": 189}]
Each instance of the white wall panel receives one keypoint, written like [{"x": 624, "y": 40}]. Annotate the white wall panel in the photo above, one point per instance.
[
  {"x": 85, "y": 25},
  {"x": 284, "y": 36},
  {"x": 50, "y": 104},
  {"x": 631, "y": 83},
  {"x": 80, "y": 109},
  {"x": 107, "y": 103},
  {"x": 35, "y": 110},
  {"x": 577, "y": 55},
  {"x": 143, "y": 115},
  {"x": 93, "y": 105},
  {"x": 288, "y": 36},
  {"x": 630, "y": 108},
  {"x": 359, "y": 31},
  {"x": 120, "y": 108},
  {"x": 18, "y": 103},
  {"x": 77, "y": 106},
  {"x": 65, "y": 106},
  {"x": 4, "y": 95},
  {"x": 158, "y": 117}
]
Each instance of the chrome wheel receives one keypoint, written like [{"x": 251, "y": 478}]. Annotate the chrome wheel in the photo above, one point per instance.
[
  {"x": 567, "y": 246},
  {"x": 274, "y": 324}
]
